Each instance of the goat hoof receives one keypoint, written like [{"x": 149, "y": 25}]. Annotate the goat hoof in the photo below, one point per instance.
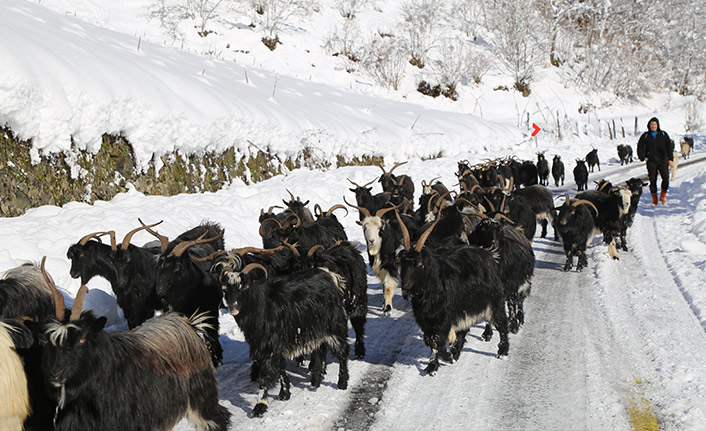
[
  {"x": 387, "y": 308},
  {"x": 447, "y": 356},
  {"x": 342, "y": 385},
  {"x": 431, "y": 369},
  {"x": 284, "y": 395},
  {"x": 316, "y": 380},
  {"x": 514, "y": 326},
  {"x": 359, "y": 350},
  {"x": 503, "y": 349},
  {"x": 259, "y": 410}
]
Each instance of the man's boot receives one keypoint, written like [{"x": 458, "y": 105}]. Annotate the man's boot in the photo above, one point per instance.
[
  {"x": 663, "y": 197},
  {"x": 654, "y": 199}
]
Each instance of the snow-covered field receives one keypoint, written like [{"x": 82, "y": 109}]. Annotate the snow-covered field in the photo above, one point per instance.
[{"x": 619, "y": 343}]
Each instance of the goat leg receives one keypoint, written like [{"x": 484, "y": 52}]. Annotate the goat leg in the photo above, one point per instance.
[
  {"x": 261, "y": 406},
  {"x": 458, "y": 344},
  {"x": 433, "y": 366},
  {"x": 569, "y": 262},
  {"x": 582, "y": 260}
]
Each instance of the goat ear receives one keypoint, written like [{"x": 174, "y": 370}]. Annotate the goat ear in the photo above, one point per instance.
[
  {"x": 353, "y": 190},
  {"x": 359, "y": 223},
  {"x": 99, "y": 324}
]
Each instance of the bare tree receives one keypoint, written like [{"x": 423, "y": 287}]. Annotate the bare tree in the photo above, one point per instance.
[
  {"x": 345, "y": 41},
  {"x": 350, "y": 8},
  {"x": 518, "y": 32},
  {"x": 468, "y": 15},
  {"x": 384, "y": 59},
  {"x": 419, "y": 19},
  {"x": 171, "y": 14},
  {"x": 274, "y": 14}
]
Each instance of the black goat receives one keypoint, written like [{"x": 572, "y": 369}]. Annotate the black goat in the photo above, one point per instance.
[
  {"x": 345, "y": 259},
  {"x": 612, "y": 205},
  {"x": 558, "y": 170},
  {"x": 366, "y": 199},
  {"x": 185, "y": 283},
  {"x": 592, "y": 160},
  {"x": 541, "y": 202},
  {"x": 289, "y": 316},
  {"x": 516, "y": 265},
  {"x": 451, "y": 287},
  {"x": 542, "y": 169},
  {"x": 325, "y": 230},
  {"x": 524, "y": 173},
  {"x": 624, "y": 154},
  {"x": 581, "y": 175},
  {"x": 155, "y": 374},
  {"x": 131, "y": 281},
  {"x": 24, "y": 293},
  {"x": 388, "y": 181},
  {"x": 576, "y": 229},
  {"x": 296, "y": 206}
]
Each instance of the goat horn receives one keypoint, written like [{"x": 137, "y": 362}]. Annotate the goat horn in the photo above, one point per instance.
[
  {"x": 502, "y": 216},
  {"x": 291, "y": 247},
  {"x": 568, "y": 200},
  {"x": 298, "y": 220},
  {"x": 263, "y": 251},
  {"x": 249, "y": 267},
  {"x": 317, "y": 210},
  {"x": 383, "y": 170},
  {"x": 358, "y": 186},
  {"x": 584, "y": 201},
  {"x": 126, "y": 241},
  {"x": 383, "y": 211},
  {"x": 269, "y": 211},
  {"x": 502, "y": 204},
  {"x": 422, "y": 239},
  {"x": 441, "y": 199},
  {"x": 162, "y": 239},
  {"x": 364, "y": 210},
  {"x": 183, "y": 246},
  {"x": 58, "y": 297},
  {"x": 97, "y": 236},
  {"x": 265, "y": 223},
  {"x": 313, "y": 249},
  {"x": 405, "y": 232},
  {"x": 334, "y": 208},
  {"x": 492, "y": 207},
  {"x": 209, "y": 257},
  {"x": 407, "y": 205},
  {"x": 291, "y": 196},
  {"x": 78, "y": 303},
  {"x": 475, "y": 186},
  {"x": 424, "y": 183},
  {"x": 397, "y": 165}
]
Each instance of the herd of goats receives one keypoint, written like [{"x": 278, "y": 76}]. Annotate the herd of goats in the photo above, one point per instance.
[{"x": 458, "y": 256}]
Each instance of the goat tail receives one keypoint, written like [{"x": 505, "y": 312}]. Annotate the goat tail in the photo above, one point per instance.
[{"x": 199, "y": 321}]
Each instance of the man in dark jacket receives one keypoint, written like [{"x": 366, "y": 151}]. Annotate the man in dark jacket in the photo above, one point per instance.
[{"x": 657, "y": 149}]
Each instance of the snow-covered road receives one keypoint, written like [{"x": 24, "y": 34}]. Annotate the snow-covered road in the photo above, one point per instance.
[{"x": 619, "y": 345}]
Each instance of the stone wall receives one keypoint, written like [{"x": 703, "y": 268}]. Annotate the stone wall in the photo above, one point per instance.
[{"x": 81, "y": 176}]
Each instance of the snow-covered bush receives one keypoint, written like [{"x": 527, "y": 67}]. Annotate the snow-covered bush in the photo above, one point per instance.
[
  {"x": 384, "y": 58},
  {"x": 172, "y": 13},
  {"x": 419, "y": 19},
  {"x": 272, "y": 15}
]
